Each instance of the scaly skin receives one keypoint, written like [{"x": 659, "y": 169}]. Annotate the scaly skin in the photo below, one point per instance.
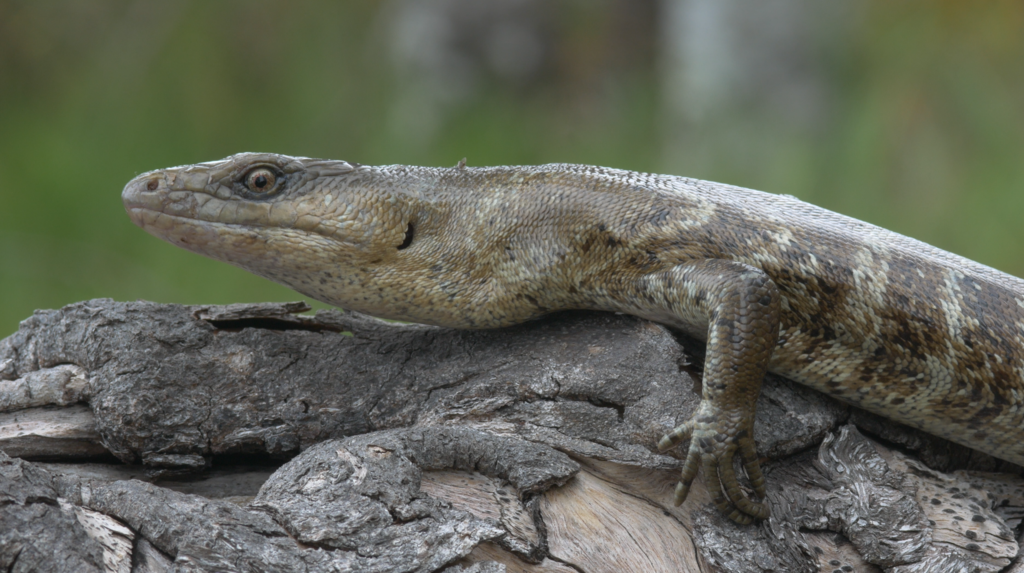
[{"x": 876, "y": 319}]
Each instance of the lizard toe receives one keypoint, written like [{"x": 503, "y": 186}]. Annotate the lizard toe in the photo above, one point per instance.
[
  {"x": 676, "y": 437},
  {"x": 751, "y": 465},
  {"x": 689, "y": 472},
  {"x": 731, "y": 486},
  {"x": 721, "y": 495}
]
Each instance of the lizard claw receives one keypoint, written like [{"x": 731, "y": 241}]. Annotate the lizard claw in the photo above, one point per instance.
[
  {"x": 715, "y": 452},
  {"x": 676, "y": 437}
]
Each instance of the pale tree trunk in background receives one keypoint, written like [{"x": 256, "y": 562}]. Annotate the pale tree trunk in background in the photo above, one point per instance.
[{"x": 734, "y": 71}]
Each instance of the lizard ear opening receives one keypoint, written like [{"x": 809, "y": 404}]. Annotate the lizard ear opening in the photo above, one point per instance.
[{"x": 408, "y": 237}]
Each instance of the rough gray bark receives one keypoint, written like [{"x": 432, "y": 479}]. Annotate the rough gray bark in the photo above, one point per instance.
[
  {"x": 36, "y": 534},
  {"x": 426, "y": 449}
]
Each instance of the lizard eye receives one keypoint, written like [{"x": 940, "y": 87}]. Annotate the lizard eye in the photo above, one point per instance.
[{"x": 260, "y": 180}]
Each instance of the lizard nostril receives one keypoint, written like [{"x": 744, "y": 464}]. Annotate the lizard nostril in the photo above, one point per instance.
[{"x": 152, "y": 185}]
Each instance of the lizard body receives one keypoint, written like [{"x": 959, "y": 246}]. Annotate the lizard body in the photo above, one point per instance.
[{"x": 877, "y": 319}]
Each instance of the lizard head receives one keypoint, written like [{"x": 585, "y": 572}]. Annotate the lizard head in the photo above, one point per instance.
[{"x": 289, "y": 219}]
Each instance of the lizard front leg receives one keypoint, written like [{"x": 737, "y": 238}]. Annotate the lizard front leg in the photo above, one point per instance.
[{"x": 738, "y": 307}]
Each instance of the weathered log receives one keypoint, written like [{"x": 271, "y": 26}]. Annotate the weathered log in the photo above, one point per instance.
[{"x": 416, "y": 448}]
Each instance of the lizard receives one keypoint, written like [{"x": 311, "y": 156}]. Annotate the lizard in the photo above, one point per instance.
[{"x": 770, "y": 283}]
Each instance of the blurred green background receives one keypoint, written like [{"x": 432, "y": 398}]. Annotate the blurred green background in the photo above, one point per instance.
[{"x": 907, "y": 114}]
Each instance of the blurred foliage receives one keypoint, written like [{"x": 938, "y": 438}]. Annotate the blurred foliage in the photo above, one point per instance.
[{"x": 924, "y": 131}]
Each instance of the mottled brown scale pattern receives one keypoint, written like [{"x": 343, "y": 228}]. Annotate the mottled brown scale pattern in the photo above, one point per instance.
[{"x": 879, "y": 320}]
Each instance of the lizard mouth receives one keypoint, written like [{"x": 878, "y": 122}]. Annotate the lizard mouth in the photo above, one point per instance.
[
  {"x": 171, "y": 215},
  {"x": 170, "y": 212},
  {"x": 235, "y": 231},
  {"x": 264, "y": 250},
  {"x": 203, "y": 237},
  {"x": 181, "y": 217}
]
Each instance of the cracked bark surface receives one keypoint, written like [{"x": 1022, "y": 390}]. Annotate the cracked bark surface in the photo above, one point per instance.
[{"x": 415, "y": 448}]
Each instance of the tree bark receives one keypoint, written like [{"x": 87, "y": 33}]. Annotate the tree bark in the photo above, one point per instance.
[{"x": 159, "y": 433}]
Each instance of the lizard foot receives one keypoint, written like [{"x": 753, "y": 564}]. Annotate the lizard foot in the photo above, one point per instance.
[{"x": 715, "y": 451}]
